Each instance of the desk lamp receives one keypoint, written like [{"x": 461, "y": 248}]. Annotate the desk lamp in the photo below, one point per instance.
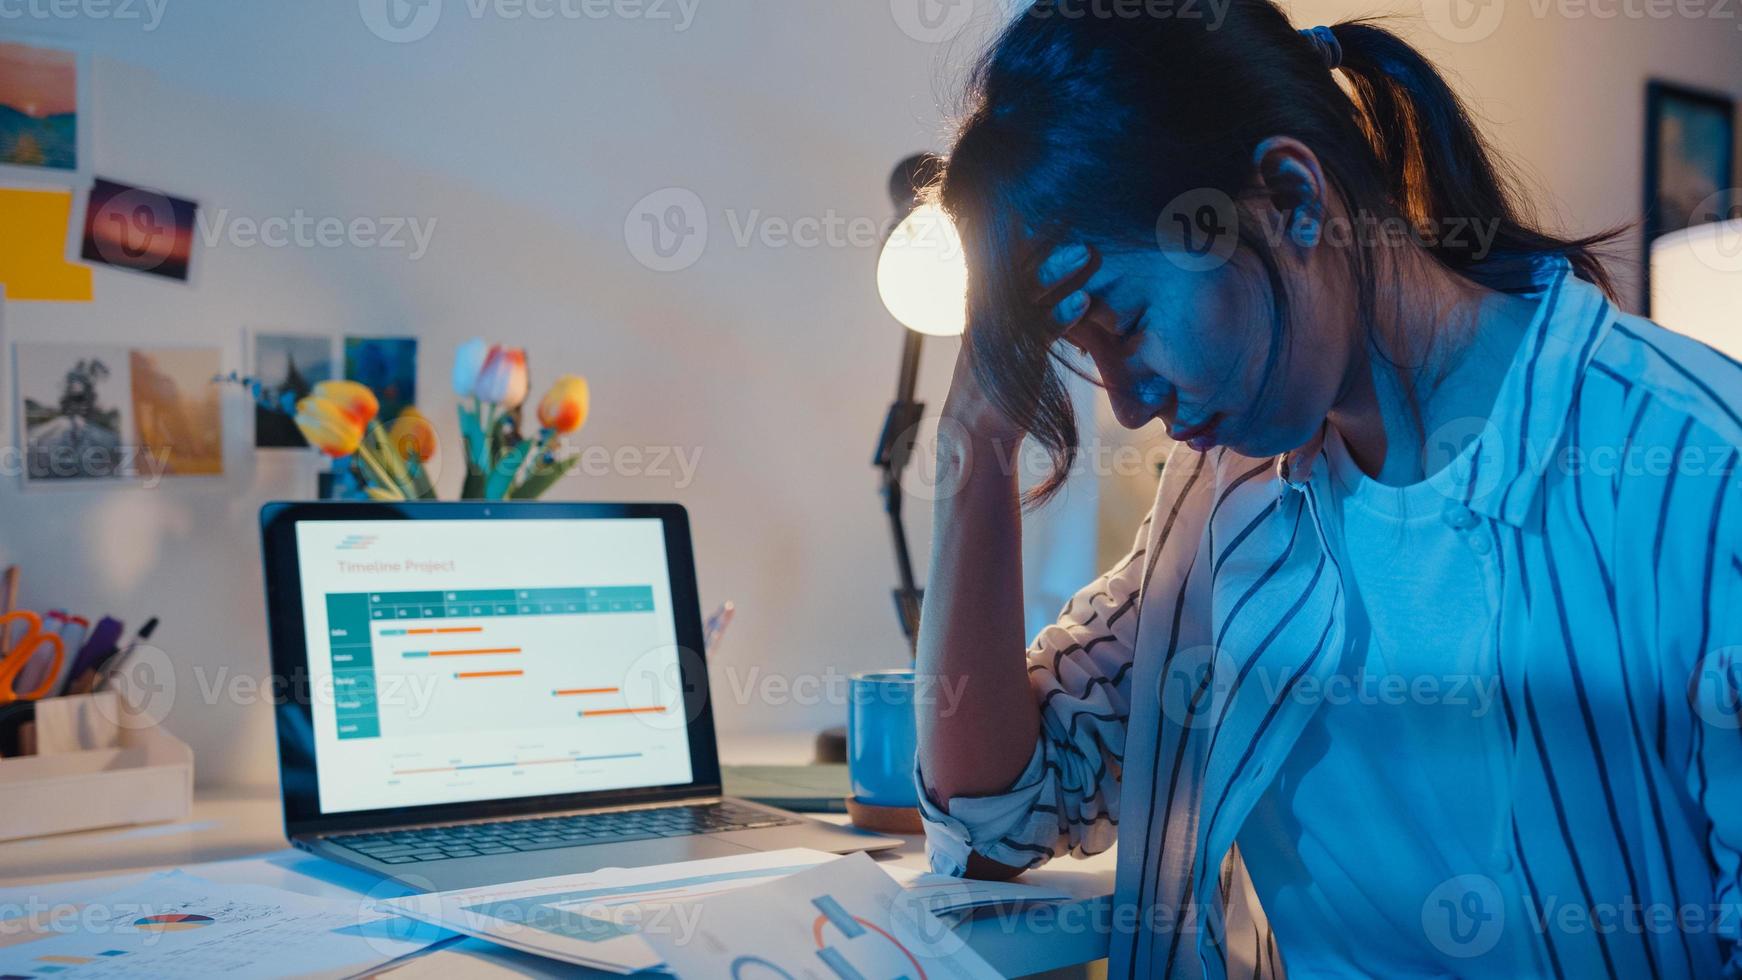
[{"x": 923, "y": 281}]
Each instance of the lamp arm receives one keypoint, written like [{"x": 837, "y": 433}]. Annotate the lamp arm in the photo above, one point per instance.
[{"x": 894, "y": 451}]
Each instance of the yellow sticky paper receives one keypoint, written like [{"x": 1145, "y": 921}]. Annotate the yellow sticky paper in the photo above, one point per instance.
[{"x": 33, "y": 247}]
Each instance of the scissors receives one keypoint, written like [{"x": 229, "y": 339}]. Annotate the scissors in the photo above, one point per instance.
[{"x": 20, "y": 653}]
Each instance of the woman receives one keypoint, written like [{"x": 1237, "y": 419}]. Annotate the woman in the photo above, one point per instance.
[{"x": 1426, "y": 661}]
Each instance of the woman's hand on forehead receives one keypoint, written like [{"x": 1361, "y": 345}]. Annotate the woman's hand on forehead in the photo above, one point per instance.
[{"x": 1062, "y": 278}]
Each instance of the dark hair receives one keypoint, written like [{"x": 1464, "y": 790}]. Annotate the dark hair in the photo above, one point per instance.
[{"x": 1086, "y": 127}]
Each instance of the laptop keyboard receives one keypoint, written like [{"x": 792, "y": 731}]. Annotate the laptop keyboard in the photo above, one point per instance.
[{"x": 542, "y": 833}]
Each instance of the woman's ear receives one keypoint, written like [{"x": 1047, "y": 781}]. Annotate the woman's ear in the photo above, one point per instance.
[{"x": 1292, "y": 182}]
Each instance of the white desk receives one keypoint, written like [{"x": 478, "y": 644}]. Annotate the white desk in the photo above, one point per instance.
[{"x": 229, "y": 826}]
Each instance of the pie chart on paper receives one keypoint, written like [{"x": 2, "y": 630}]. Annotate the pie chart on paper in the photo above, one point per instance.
[{"x": 172, "y": 922}]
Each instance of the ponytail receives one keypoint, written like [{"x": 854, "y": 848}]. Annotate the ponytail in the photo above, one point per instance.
[{"x": 1437, "y": 166}]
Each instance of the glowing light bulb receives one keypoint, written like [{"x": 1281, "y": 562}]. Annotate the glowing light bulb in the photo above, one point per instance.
[{"x": 922, "y": 275}]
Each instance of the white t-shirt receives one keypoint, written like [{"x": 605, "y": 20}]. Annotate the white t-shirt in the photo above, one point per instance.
[{"x": 1399, "y": 786}]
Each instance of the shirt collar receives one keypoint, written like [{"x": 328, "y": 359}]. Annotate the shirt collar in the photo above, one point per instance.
[{"x": 1513, "y": 448}]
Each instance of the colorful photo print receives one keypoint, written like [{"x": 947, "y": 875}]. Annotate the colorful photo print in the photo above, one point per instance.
[
  {"x": 139, "y": 229},
  {"x": 288, "y": 366},
  {"x": 75, "y": 411},
  {"x": 176, "y": 409},
  {"x": 388, "y": 365},
  {"x": 39, "y": 108}
]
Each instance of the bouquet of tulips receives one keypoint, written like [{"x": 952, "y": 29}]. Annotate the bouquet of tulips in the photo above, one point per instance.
[
  {"x": 392, "y": 461},
  {"x": 339, "y": 419},
  {"x": 491, "y": 383}
]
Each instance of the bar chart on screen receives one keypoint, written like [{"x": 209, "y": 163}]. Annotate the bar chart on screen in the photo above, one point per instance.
[
  {"x": 503, "y": 687},
  {"x": 442, "y": 662},
  {"x": 456, "y": 669}
]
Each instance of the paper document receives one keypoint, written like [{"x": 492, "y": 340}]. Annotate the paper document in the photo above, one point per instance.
[
  {"x": 955, "y": 899},
  {"x": 845, "y": 920},
  {"x": 594, "y": 919},
  {"x": 175, "y": 925},
  {"x": 600, "y": 919}
]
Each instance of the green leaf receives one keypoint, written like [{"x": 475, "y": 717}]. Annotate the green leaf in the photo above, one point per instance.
[
  {"x": 542, "y": 478},
  {"x": 422, "y": 488},
  {"x": 477, "y": 446},
  {"x": 503, "y": 473},
  {"x": 473, "y": 487}
]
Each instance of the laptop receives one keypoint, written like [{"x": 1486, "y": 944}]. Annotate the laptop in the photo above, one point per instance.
[{"x": 482, "y": 692}]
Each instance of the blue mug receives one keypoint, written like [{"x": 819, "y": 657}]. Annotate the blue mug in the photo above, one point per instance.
[{"x": 882, "y": 737}]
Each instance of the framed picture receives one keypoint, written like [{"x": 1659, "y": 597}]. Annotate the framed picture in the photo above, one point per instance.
[
  {"x": 388, "y": 365},
  {"x": 109, "y": 414},
  {"x": 1690, "y": 150},
  {"x": 137, "y": 228},
  {"x": 177, "y": 415},
  {"x": 44, "y": 119},
  {"x": 75, "y": 411},
  {"x": 288, "y": 366}
]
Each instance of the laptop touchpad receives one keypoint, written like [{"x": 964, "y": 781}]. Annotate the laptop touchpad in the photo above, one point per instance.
[{"x": 526, "y": 865}]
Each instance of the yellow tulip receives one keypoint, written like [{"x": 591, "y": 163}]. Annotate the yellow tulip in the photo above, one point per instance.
[
  {"x": 355, "y": 400},
  {"x": 564, "y": 407},
  {"x": 412, "y": 433},
  {"x": 327, "y": 426}
]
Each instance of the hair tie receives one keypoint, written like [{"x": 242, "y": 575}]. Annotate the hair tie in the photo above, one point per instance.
[{"x": 1325, "y": 42}]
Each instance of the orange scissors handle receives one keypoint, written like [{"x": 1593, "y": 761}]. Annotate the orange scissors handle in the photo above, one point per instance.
[{"x": 22, "y": 652}]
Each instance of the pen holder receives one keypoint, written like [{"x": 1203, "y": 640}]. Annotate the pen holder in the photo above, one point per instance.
[{"x": 101, "y": 765}]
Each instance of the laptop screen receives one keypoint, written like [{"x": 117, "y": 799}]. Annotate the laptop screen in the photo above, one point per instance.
[{"x": 462, "y": 660}]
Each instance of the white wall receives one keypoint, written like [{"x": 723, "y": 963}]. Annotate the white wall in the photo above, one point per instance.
[{"x": 528, "y": 142}]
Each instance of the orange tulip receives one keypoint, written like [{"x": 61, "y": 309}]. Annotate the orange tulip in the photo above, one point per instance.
[
  {"x": 413, "y": 434},
  {"x": 564, "y": 407},
  {"x": 502, "y": 379},
  {"x": 328, "y": 427},
  {"x": 355, "y": 400}
]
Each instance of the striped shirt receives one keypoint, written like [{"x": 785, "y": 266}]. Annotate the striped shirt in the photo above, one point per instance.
[{"x": 1175, "y": 685}]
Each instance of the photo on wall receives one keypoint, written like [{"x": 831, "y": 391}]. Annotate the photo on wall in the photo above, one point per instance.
[
  {"x": 288, "y": 366},
  {"x": 138, "y": 229},
  {"x": 40, "y": 115},
  {"x": 388, "y": 365},
  {"x": 176, "y": 408},
  {"x": 74, "y": 411},
  {"x": 1690, "y": 175}
]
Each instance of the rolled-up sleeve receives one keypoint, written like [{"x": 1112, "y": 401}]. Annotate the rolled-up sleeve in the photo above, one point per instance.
[{"x": 1067, "y": 798}]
